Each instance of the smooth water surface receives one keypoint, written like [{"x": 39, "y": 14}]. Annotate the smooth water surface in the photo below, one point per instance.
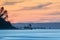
[{"x": 41, "y": 34}]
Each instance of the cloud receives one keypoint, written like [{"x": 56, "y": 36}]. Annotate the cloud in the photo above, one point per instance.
[
  {"x": 55, "y": 13},
  {"x": 37, "y": 6},
  {"x": 9, "y": 3},
  {"x": 12, "y": 2},
  {"x": 50, "y": 19},
  {"x": 32, "y": 11},
  {"x": 1, "y": 2}
]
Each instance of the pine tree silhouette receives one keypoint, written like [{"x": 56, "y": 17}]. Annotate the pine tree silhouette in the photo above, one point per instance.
[{"x": 3, "y": 17}]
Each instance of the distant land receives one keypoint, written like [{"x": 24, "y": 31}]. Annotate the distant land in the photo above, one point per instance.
[{"x": 55, "y": 25}]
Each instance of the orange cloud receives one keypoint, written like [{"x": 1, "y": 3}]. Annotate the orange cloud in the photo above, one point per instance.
[{"x": 39, "y": 12}]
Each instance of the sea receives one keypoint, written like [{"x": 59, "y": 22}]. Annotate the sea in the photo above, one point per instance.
[{"x": 35, "y": 34}]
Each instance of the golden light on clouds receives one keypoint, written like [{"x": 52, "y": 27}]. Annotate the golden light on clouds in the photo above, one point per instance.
[
  {"x": 1, "y": 2},
  {"x": 32, "y": 10},
  {"x": 27, "y": 3}
]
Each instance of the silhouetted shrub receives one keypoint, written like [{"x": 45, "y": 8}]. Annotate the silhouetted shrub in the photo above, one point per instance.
[
  {"x": 3, "y": 23},
  {"x": 28, "y": 27}
]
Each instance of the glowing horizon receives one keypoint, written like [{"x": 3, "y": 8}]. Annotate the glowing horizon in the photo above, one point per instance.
[{"x": 32, "y": 10}]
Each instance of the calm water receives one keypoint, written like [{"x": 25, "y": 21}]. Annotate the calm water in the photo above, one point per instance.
[{"x": 44, "y": 34}]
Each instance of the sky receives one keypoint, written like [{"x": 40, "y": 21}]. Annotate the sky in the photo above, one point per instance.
[{"x": 32, "y": 11}]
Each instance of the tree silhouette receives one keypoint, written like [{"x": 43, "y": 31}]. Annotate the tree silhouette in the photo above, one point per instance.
[
  {"x": 3, "y": 17},
  {"x": 3, "y": 13},
  {"x": 28, "y": 27}
]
